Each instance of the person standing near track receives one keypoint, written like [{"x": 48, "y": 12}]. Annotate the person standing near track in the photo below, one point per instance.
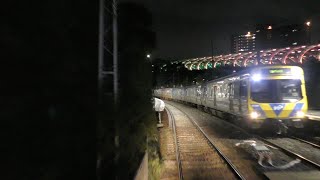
[{"x": 159, "y": 106}]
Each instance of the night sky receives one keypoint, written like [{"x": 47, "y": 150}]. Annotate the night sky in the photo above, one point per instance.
[{"x": 186, "y": 28}]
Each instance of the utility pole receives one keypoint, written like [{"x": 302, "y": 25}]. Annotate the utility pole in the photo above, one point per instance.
[
  {"x": 100, "y": 80},
  {"x": 108, "y": 68},
  {"x": 101, "y": 52},
  {"x": 115, "y": 52},
  {"x": 115, "y": 84}
]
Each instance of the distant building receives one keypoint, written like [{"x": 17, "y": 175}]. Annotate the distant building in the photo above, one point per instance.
[
  {"x": 271, "y": 36},
  {"x": 243, "y": 42}
]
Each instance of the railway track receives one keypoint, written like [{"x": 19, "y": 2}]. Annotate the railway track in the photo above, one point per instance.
[
  {"x": 291, "y": 153},
  {"x": 305, "y": 141},
  {"x": 283, "y": 149},
  {"x": 286, "y": 151},
  {"x": 197, "y": 156}
]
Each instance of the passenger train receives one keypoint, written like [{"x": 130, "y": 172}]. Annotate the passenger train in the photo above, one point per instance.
[{"x": 274, "y": 93}]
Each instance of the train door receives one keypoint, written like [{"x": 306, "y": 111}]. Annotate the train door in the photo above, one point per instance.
[
  {"x": 215, "y": 95},
  {"x": 204, "y": 95},
  {"x": 231, "y": 96},
  {"x": 236, "y": 97},
  {"x": 243, "y": 96}
]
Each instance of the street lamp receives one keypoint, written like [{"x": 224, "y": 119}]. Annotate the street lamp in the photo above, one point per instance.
[
  {"x": 308, "y": 23},
  {"x": 148, "y": 56}
]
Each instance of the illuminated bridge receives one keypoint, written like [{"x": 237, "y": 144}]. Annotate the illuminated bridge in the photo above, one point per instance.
[{"x": 288, "y": 55}]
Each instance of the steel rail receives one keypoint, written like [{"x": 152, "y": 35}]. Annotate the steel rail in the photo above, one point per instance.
[
  {"x": 233, "y": 168},
  {"x": 291, "y": 153},
  {"x": 176, "y": 144},
  {"x": 305, "y": 141}
]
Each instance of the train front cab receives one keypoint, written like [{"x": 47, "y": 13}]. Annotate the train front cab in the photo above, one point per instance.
[{"x": 277, "y": 95}]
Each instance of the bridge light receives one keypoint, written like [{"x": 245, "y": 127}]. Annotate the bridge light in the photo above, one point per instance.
[{"x": 269, "y": 27}]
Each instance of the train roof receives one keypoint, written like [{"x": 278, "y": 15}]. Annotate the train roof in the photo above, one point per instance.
[{"x": 240, "y": 73}]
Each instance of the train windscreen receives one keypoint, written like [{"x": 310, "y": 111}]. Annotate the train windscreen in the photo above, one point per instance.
[{"x": 276, "y": 91}]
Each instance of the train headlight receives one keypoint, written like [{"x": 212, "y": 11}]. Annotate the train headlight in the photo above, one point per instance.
[
  {"x": 256, "y": 77},
  {"x": 254, "y": 115},
  {"x": 296, "y": 73},
  {"x": 300, "y": 114}
]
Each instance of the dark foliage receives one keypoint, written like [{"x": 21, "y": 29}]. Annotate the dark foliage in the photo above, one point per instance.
[
  {"x": 131, "y": 119},
  {"x": 48, "y": 65}
]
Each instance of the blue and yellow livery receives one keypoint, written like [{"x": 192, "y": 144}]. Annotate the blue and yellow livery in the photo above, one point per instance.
[
  {"x": 277, "y": 92},
  {"x": 273, "y": 92}
]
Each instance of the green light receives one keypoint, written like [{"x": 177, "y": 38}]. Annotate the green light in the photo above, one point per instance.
[{"x": 276, "y": 71}]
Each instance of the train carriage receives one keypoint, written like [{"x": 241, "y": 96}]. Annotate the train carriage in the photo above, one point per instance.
[{"x": 264, "y": 93}]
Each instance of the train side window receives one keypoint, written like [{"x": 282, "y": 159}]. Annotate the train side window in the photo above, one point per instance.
[{"x": 243, "y": 89}]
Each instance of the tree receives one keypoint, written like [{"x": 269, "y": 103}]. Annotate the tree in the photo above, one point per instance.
[{"x": 132, "y": 117}]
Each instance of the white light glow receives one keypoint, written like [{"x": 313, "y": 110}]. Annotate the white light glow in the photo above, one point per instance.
[
  {"x": 256, "y": 77},
  {"x": 300, "y": 114},
  {"x": 296, "y": 73},
  {"x": 254, "y": 115},
  {"x": 308, "y": 23}
]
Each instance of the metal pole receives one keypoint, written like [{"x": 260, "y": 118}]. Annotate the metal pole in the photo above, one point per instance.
[
  {"x": 101, "y": 51},
  {"x": 115, "y": 52},
  {"x": 115, "y": 84},
  {"x": 100, "y": 72}
]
